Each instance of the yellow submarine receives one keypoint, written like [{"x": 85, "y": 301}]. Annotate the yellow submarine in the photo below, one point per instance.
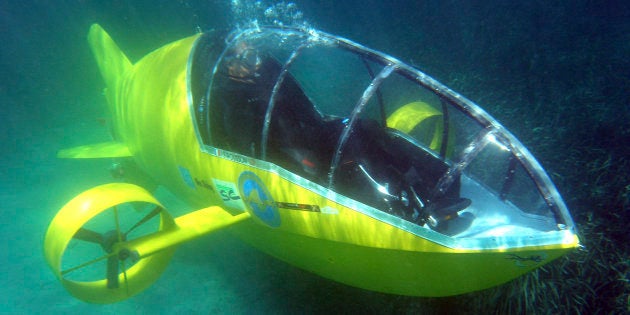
[{"x": 336, "y": 158}]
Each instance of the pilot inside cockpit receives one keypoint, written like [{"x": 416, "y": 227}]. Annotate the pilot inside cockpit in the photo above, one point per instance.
[{"x": 377, "y": 166}]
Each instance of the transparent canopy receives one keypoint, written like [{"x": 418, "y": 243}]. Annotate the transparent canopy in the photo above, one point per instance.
[{"x": 373, "y": 129}]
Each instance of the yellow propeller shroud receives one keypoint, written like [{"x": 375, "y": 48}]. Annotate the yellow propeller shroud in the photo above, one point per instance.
[{"x": 152, "y": 126}]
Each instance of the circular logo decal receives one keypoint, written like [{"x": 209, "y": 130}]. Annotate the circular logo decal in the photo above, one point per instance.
[{"x": 258, "y": 199}]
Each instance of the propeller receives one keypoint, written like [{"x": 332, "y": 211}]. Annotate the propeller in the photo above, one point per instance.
[{"x": 107, "y": 240}]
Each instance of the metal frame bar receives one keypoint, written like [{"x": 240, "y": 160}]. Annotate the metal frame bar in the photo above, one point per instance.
[{"x": 466, "y": 106}]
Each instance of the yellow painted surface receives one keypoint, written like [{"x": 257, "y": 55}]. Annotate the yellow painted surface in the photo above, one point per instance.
[
  {"x": 75, "y": 214},
  {"x": 151, "y": 113}
]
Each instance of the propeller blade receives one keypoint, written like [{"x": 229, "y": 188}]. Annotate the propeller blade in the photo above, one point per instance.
[
  {"x": 88, "y": 236},
  {"x": 146, "y": 218},
  {"x": 112, "y": 272}
]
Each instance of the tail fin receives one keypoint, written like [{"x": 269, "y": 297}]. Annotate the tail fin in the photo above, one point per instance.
[
  {"x": 112, "y": 62},
  {"x": 113, "y": 65}
]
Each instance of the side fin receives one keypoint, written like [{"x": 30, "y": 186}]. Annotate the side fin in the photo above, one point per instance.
[
  {"x": 110, "y": 149},
  {"x": 420, "y": 118},
  {"x": 407, "y": 117},
  {"x": 112, "y": 62}
]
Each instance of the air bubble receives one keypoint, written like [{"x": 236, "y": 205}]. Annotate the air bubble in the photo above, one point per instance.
[
  {"x": 269, "y": 13},
  {"x": 280, "y": 14}
]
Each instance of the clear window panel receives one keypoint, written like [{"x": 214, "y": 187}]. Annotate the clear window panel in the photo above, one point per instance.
[{"x": 333, "y": 79}]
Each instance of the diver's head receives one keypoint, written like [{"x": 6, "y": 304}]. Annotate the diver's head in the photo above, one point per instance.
[{"x": 242, "y": 62}]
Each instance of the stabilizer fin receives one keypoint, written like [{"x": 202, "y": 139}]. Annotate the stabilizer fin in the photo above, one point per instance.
[
  {"x": 111, "y": 149},
  {"x": 407, "y": 117},
  {"x": 411, "y": 115},
  {"x": 112, "y": 62}
]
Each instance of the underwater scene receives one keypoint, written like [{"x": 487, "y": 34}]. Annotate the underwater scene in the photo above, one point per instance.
[{"x": 309, "y": 157}]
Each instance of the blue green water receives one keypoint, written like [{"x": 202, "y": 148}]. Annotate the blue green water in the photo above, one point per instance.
[{"x": 556, "y": 74}]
